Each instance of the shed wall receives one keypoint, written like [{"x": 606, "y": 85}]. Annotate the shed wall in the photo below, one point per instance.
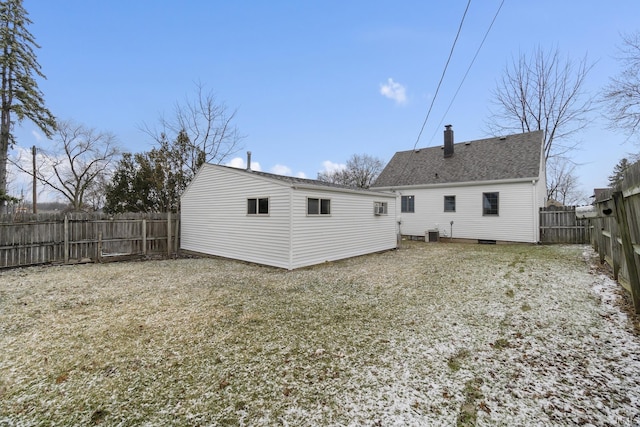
[
  {"x": 350, "y": 230},
  {"x": 215, "y": 220}
]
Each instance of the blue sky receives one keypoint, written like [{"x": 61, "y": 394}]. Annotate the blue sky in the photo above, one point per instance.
[{"x": 315, "y": 82}]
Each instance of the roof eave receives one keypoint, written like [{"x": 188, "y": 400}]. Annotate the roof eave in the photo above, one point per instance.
[
  {"x": 533, "y": 180},
  {"x": 376, "y": 192}
]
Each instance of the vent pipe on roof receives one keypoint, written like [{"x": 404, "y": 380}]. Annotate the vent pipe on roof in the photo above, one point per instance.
[
  {"x": 448, "y": 141},
  {"x": 248, "y": 160}
]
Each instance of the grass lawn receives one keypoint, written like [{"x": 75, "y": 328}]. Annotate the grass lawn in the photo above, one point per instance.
[{"x": 431, "y": 334}]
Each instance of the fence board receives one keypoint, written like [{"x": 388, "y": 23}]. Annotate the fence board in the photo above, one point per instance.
[
  {"x": 560, "y": 225},
  {"x": 28, "y": 239},
  {"x": 618, "y": 231}
]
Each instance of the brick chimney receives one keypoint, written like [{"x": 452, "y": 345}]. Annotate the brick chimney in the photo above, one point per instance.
[{"x": 448, "y": 141}]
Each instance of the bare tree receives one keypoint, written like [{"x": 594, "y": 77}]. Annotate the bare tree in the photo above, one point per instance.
[
  {"x": 95, "y": 195},
  {"x": 208, "y": 127},
  {"x": 79, "y": 159},
  {"x": 543, "y": 91},
  {"x": 622, "y": 94},
  {"x": 562, "y": 182},
  {"x": 361, "y": 171},
  {"x": 337, "y": 176}
]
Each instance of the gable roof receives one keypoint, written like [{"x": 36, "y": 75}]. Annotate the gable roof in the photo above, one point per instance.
[
  {"x": 299, "y": 182},
  {"x": 491, "y": 159},
  {"x": 292, "y": 180}
]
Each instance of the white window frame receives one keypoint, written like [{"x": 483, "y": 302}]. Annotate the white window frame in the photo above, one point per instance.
[
  {"x": 257, "y": 206},
  {"x": 410, "y": 204},
  {"x": 320, "y": 201},
  {"x": 486, "y": 199},
  {"x": 454, "y": 203}
]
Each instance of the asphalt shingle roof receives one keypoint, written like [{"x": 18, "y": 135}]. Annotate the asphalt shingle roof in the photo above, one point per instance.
[
  {"x": 300, "y": 181},
  {"x": 513, "y": 156},
  {"x": 292, "y": 180}
]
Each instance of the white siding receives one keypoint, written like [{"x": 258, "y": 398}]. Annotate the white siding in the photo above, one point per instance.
[
  {"x": 517, "y": 220},
  {"x": 214, "y": 217},
  {"x": 214, "y": 221},
  {"x": 352, "y": 229}
]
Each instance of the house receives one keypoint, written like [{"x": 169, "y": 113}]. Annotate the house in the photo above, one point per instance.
[
  {"x": 486, "y": 190},
  {"x": 282, "y": 221}
]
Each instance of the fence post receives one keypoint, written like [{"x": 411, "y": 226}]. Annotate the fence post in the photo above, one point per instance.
[
  {"x": 99, "y": 250},
  {"x": 66, "y": 239},
  {"x": 176, "y": 233},
  {"x": 616, "y": 249},
  {"x": 627, "y": 248},
  {"x": 144, "y": 236},
  {"x": 169, "y": 234},
  {"x": 601, "y": 250}
]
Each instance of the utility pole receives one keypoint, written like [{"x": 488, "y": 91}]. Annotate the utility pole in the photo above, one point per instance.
[{"x": 35, "y": 189}]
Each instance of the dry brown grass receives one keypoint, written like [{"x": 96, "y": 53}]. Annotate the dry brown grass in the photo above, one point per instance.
[{"x": 427, "y": 334}]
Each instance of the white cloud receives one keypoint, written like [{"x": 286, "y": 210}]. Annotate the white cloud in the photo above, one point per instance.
[
  {"x": 394, "y": 90},
  {"x": 286, "y": 171},
  {"x": 278, "y": 169},
  {"x": 240, "y": 163},
  {"x": 20, "y": 183},
  {"x": 36, "y": 135},
  {"x": 281, "y": 170},
  {"x": 330, "y": 166}
]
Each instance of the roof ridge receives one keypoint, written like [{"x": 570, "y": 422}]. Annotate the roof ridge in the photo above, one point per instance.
[
  {"x": 500, "y": 138},
  {"x": 293, "y": 179}
]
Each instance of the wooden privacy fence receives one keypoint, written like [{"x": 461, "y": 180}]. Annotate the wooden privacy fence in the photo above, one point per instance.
[
  {"x": 29, "y": 239},
  {"x": 560, "y": 225},
  {"x": 616, "y": 235}
]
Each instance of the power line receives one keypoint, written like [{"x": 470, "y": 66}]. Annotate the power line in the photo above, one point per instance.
[
  {"x": 443, "y": 74},
  {"x": 468, "y": 69}
]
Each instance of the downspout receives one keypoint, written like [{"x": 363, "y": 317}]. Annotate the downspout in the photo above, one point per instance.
[
  {"x": 398, "y": 218},
  {"x": 536, "y": 212},
  {"x": 291, "y": 216}
]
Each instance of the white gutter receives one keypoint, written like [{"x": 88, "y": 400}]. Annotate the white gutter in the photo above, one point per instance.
[
  {"x": 532, "y": 180},
  {"x": 378, "y": 193}
]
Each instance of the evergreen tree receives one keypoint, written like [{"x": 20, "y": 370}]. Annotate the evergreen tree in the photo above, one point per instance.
[
  {"x": 20, "y": 95},
  {"x": 153, "y": 181},
  {"x": 615, "y": 179}
]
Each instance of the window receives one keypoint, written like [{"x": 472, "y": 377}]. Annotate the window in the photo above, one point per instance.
[
  {"x": 449, "y": 203},
  {"x": 407, "y": 204},
  {"x": 490, "y": 203},
  {"x": 258, "y": 206},
  {"x": 318, "y": 206},
  {"x": 379, "y": 208}
]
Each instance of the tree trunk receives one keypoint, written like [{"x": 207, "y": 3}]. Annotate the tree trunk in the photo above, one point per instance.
[{"x": 4, "y": 152}]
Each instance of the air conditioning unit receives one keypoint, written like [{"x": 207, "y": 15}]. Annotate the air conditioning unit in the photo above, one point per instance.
[{"x": 432, "y": 236}]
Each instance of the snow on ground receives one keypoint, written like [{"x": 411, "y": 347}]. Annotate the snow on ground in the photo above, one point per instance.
[
  {"x": 432, "y": 334},
  {"x": 561, "y": 360}
]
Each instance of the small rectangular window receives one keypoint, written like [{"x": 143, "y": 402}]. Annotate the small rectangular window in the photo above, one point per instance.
[
  {"x": 318, "y": 206},
  {"x": 252, "y": 206},
  {"x": 263, "y": 206},
  {"x": 449, "y": 203},
  {"x": 379, "y": 208},
  {"x": 258, "y": 206},
  {"x": 407, "y": 204},
  {"x": 490, "y": 203},
  {"x": 325, "y": 206}
]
